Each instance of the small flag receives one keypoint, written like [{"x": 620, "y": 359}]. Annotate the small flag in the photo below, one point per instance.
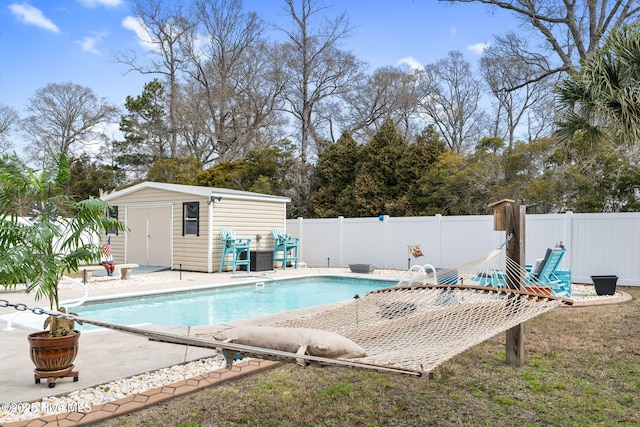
[
  {"x": 107, "y": 248},
  {"x": 415, "y": 251}
]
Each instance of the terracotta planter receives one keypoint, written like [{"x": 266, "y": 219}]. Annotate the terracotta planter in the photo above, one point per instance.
[{"x": 53, "y": 356}]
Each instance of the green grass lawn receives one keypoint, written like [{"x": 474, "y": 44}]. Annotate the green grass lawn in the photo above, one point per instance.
[{"x": 582, "y": 368}]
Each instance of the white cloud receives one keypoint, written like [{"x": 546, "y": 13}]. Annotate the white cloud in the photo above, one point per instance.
[
  {"x": 103, "y": 133},
  {"x": 34, "y": 16},
  {"x": 137, "y": 26},
  {"x": 96, "y": 3},
  {"x": 453, "y": 30},
  {"x": 412, "y": 62},
  {"x": 89, "y": 43},
  {"x": 478, "y": 47}
]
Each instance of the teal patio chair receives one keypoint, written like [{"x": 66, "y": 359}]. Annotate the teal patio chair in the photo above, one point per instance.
[
  {"x": 495, "y": 279},
  {"x": 285, "y": 245},
  {"x": 546, "y": 273},
  {"x": 238, "y": 248}
]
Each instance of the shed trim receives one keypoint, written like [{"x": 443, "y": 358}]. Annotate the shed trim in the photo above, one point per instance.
[{"x": 207, "y": 192}]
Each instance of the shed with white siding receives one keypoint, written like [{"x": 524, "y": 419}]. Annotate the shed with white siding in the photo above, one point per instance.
[{"x": 178, "y": 226}]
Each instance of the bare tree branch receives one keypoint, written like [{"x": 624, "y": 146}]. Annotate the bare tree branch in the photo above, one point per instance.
[
  {"x": 316, "y": 69},
  {"x": 8, "y": 122},
  {"x": 164, "y": 25},
  {"x": 571, "y": 29},
  {"x": 452, "y": 101},
  {"x": 64, "y": 117}
]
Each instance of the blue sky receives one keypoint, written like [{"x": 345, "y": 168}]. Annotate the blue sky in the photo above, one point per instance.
[{"x": 59, "y": 41}]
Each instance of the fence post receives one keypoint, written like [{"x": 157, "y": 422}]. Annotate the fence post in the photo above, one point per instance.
[
  {"x": 340, "y": 240},
  {"x": 301, "y": 240},
  {"x": 568, "y": 238},
  {"x": 439, "y": 225},
  {"x": 387, "y": 244}
]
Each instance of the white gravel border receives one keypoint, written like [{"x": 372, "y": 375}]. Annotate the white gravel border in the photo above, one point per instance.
[{"x": 84, "y": 400}]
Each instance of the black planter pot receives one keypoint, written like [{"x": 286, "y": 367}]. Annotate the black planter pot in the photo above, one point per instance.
[{"x": 605, "y": 285}]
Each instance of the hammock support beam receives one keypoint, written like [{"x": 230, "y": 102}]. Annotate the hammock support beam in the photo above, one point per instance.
[
  {"x": 516, "y": 228},
  {"x": 486, "y": 289}
]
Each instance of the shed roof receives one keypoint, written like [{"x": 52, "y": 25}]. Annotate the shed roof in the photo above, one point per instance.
[{"x": 197, "y": 191}]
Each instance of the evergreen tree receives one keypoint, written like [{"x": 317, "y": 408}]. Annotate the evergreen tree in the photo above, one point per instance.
[
  {"x": 146, "y": 134},
  {"x": 223, "y": 175},
  {"x": 335, "y": 175},
  {"x": 418, "y": 159},
  {"x": 91, "y": 177},
  {"x": 380, "y": 182},
  {"x": 267, "y": 170},
  {"x": 175, "y": 171}
]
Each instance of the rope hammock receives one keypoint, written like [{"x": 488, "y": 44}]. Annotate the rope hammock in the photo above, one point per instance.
[
  {"x": 419, "y": 327},
  {"x": 428, "y": 317},
  {"x": 410, "y": 328},
  {"x": 403, "y": 329}
]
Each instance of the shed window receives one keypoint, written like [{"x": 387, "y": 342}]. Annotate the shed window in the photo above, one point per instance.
[
  {"x": 191, "y": 218},
  {"x": 112, "y": 212}
]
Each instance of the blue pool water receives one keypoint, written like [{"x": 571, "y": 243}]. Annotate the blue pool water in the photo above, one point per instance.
[{"x": 212, "y": 306}]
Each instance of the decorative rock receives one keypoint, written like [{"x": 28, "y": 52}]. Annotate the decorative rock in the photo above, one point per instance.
[{"x": 114, "y": 390}]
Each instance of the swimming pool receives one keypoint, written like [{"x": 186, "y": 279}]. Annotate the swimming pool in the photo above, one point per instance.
[{"x": 224, "y": 304}]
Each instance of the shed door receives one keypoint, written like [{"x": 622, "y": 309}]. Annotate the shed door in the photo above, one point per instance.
[{"x": 149, "y": 238}]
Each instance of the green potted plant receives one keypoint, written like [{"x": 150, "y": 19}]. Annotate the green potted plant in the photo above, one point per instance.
[{"x": 43, "y": 234}]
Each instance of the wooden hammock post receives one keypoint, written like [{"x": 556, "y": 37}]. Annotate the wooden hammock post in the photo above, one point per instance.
[{"x": 515, "y": 231}]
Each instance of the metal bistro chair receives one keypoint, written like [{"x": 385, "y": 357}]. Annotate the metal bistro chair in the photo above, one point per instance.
[
  {"x": 287, "y": 245},
  {"x": 236, "y": 247}
]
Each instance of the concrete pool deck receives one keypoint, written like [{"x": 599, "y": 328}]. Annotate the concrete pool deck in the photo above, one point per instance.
[{"x": 108, "y": 355}]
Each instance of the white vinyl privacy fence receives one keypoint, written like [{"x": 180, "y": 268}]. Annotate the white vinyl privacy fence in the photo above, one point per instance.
[{"x": 597, "y": 244}]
